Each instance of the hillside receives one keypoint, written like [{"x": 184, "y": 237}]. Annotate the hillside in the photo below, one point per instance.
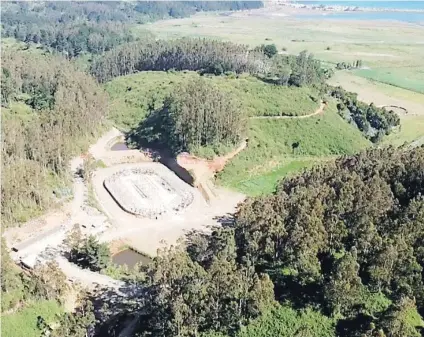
[
  {"x": 335, "y": 251},
  {"x": 278, "y": 147},
  {"x": 272, "y": 151},
  {"x": 244, "y": 194},
  {"x": 133, "y": 95}
]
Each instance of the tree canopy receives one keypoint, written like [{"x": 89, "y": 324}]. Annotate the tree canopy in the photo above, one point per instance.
[
  {"x": 340, "y": 245},
  {"x": 50, "y": 112},
  {"x": 374, "y": 122},
  {"x": 74, "y": 28},
  {"x": 197, "y": 114}
]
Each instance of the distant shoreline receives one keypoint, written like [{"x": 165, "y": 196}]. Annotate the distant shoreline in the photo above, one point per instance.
[{"x": 348, "y": 9}]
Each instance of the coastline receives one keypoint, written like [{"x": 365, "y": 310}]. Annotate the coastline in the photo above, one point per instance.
[{"x": 346, "y": 9}]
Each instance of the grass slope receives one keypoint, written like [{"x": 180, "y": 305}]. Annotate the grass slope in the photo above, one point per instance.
[
  {"x": 24, "y": 322},
  {"x": 270, "y": 154},
  {"x": 131, "y": 95}
]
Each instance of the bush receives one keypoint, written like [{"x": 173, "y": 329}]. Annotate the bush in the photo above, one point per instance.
[
  {"x": 270, "y": 50},
  {"x": 91, "y": 254}
]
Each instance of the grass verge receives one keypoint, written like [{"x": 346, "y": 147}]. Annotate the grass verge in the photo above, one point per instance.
[{"x": 24, "y": 322}]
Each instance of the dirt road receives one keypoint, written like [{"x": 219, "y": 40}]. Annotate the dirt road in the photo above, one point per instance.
[{"x": 318, "y": 111}]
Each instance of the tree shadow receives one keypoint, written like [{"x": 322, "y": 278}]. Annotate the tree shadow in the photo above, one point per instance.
[
  {"x": 352, "y": 325},
  {"x": 289, "y": 289},
  {"x": 151, "y": 136},
  {"x": 113, "y": 308},
  {"x": 226, "y": 220}
]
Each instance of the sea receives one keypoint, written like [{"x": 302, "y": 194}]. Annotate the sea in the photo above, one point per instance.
[{"x": 411, "y": 17}]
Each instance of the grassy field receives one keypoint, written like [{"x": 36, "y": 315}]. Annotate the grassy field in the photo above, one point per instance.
[
  {"x": 131, "y": 95},
  {"x": 400, "y": 77},
  {"x": 24, "y": 322},
  {"x": 412, "y": 123},
  {"x": 271, "y": 154},
  {"x": 392, "y": 50}
]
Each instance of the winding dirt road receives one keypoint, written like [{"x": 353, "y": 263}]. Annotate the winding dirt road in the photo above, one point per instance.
[{"x": 318, "y": 111}]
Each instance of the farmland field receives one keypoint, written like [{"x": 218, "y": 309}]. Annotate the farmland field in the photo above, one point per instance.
[
  {"x": 393, "y": 51},
  {"x": 400, "y": 77}
]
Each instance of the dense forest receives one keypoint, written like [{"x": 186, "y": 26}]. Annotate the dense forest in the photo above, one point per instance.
[
  {"x": 50, "y": 111},
  {"x": 79, "y": 27},
  {"x": 335, "y": 251}
]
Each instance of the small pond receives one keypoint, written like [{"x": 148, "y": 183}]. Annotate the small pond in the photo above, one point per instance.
[
  {"x": 130, "y": 258},
  {"x": 120, "y": 146}
]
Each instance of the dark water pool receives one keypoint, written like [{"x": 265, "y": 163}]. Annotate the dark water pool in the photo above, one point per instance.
[
  {"x": 121, "y": 146},
  {"x": 130, "y": 258}
]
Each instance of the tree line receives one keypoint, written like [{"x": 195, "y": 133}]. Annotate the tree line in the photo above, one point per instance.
[
  {"x": 210, "y": 56},
  {"x": 74, "y": 28},
  {"x": 50, "y": 112},
  {"x": 345, "y": 65},
  {"x": 342, "y": 243},
  {"x": 180, "y": 54},
  {"x": 372, "y": 121}
]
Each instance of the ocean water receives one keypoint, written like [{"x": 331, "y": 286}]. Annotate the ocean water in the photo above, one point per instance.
[
  {"x": 370, "y": 4},
  {"x": 411, "y": 17}
]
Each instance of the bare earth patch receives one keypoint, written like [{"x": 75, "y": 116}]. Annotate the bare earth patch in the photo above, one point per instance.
[{"x": 148, "y": 235}]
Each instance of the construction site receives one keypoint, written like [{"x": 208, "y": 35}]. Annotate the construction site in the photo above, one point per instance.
[{"x": 141, "y": 201}]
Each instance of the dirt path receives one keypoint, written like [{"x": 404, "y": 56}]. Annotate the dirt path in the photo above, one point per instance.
[{"x": 318, "y": 111}]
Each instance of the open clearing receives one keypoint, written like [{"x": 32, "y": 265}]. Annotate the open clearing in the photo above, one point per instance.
[
  {"x": 143, "y": 233},
  {"x": 147, "y": 235}
]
